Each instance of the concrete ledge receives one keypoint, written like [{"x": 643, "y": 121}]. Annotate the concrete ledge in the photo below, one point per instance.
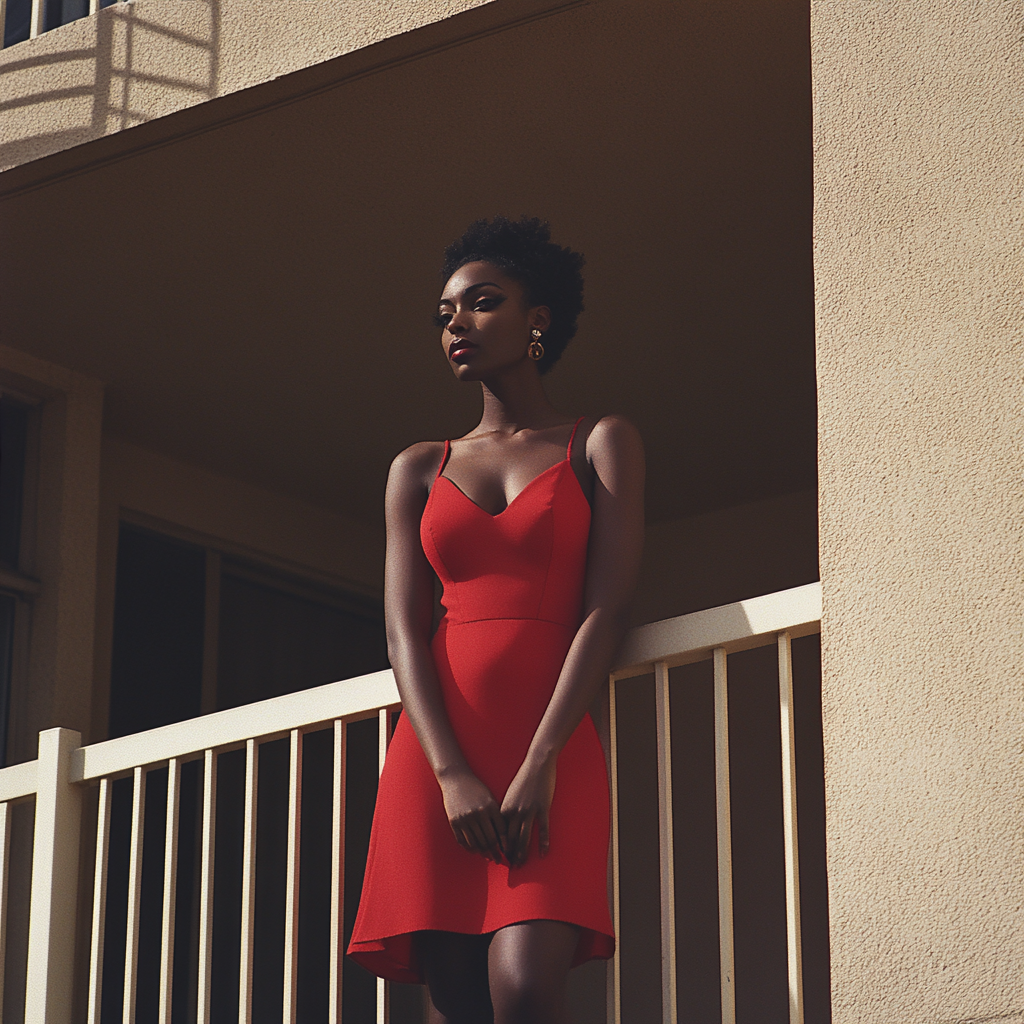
[{"x": 135, "y": 64}]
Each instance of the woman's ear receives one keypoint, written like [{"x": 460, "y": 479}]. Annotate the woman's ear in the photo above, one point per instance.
[{"x": 540, "y": 318}]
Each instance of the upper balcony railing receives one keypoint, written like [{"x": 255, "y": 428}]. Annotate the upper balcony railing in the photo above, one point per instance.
[{"x": 57, "y": 783}]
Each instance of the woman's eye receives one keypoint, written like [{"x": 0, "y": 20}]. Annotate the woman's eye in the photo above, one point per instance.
[
  {"x": 442, "y": 319},
  {"x": 485, "y": 303}
]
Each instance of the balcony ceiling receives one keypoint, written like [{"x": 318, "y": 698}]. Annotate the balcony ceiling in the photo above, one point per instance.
[{"x": 256, "y": 292}]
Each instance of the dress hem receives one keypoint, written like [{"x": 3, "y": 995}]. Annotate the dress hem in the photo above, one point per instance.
[{"x": 392, "y": 957}]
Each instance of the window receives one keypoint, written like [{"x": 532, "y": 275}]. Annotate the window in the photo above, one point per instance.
[
  {"x": 14, "y": 421},
  {"x": 17, "y": 25},
  {"x": 277, "y": 636},
  {"x": 157, "y": 662},
  {"x": 15, "y": 426},
  {"x": 196, "y": 631}
]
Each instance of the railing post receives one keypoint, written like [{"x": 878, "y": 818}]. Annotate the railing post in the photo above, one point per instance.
[{"x": 54, "y": 894}]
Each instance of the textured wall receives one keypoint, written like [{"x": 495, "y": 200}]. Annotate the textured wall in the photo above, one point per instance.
[
  {"x": 919, "y": 157},
  {"x": 272, "y": 528},
  {"x": 61, "y": 523},
  {"x": 140, "y": 60},
  {"x": 728, "y": 555}
]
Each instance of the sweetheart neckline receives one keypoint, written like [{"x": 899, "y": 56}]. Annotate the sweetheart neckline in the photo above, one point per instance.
[{"x": 496, "y": 515}]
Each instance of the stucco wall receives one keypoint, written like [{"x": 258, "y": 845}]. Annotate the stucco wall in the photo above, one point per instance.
[
  {"x": 918, "y": 168},
  {"x": 242, "y": 520},
  {"x": 727, "y": 555},
  {"x": 143, "y": 59},
  {"x": 61, "y": 518}
]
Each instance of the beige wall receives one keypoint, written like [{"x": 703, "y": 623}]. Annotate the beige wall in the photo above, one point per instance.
[
  {"x": 235, "y": 517},
  {"x": 135, "y": 62},
  {"x": 728, "y": 555},
  {"x": 919, "y": 173},
  {"x": 53, "y": 670}
]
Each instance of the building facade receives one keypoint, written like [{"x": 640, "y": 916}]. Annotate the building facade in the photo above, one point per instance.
[{"x": 221, "y": 227}]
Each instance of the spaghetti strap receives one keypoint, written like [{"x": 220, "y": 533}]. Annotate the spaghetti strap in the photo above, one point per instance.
[
  {"x": 444, "y": 461},
  {"x": 572, "y": 437}
]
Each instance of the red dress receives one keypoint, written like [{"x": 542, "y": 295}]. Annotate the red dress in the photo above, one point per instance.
[{"x": 513, "y": 597}]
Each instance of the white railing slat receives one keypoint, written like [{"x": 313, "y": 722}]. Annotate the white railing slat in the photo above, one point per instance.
[
  {"x": 206, "y": 886},
  {"x": 99, "y": 903},
  {"x": 291, "y": 898},
  {"x": 338, "y": 872},
  {"x": 245, "y": 961},
  {"x": 170, "y": 890},
  {"x": 790, "y": 834},
  {"x": 723, "y": 809},
  {"x": 131, "y": 950},
  {"x": 613, "y": 975},
  {"x": 383, "y": 741},
  {"x": 5, "y": 853},
  {"x": 666, "y": 844}
]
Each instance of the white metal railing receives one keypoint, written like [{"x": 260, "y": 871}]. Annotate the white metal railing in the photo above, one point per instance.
[
  {"x": 714, "y": 635},
  {"x": 58, "y": 777}
]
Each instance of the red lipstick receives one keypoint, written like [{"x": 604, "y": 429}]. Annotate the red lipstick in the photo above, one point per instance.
[{"x": 460, "y": 350}]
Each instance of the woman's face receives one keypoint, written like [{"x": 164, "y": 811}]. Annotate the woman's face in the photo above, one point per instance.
[{"x": 486, "y": 322}]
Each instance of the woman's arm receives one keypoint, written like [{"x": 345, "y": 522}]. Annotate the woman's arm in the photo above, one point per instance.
[
  {"x": 616, "y": 452},
  {"x": 472, "y": 810}
]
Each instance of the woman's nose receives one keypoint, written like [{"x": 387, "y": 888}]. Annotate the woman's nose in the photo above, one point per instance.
[{"x": 458, "y": 323}]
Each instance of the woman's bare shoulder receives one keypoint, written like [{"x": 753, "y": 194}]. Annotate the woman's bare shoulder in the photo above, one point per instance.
[
  {"x": 416, "y": 466},
  {"x": 614, "y": 436}
]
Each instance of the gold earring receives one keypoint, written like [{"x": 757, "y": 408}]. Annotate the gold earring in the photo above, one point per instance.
[{"x": 536, "y": 349}]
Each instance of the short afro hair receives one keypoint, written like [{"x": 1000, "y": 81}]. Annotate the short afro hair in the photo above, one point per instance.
[{"x": 552, "y": 275}]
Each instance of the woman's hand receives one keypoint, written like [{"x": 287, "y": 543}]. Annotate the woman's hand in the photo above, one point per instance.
[
  {"x": 473, "y": 814},
  {"x": 528, "y": 801}
]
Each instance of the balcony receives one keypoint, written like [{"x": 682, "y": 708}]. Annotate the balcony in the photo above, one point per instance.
[{"x": 117, "y": 892}]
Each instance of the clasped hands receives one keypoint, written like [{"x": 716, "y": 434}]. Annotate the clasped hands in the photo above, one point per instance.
[{"x": 501, "y": 834}]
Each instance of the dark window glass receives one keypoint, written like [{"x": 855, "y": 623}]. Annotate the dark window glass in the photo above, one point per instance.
[
  {"x": 273, "y": 642},
  {"x": 13, "y": 439},
  {"x": 16, "y": 25},
  {"x": 276, "y": 635},
  {"x": 8, "y": 604},
  {"x": 157, "y": 666},
  {"x": 60, "y": 12}
]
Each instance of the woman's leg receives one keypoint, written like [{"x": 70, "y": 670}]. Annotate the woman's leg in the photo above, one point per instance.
[
  {"x": 527, "y": 966},
  {"x": 455, "y": 969}
]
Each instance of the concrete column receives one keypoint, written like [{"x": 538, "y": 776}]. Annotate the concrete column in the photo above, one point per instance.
[
  {"x": 56, "y": 690},
  {"x": 919, "y": 172}
]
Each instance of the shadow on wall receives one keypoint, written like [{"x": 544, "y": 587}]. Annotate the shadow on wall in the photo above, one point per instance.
[{"x": 92, "y": 85}]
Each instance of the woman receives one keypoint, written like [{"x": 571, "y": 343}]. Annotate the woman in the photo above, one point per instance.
[{"x": 486, "y": 877}]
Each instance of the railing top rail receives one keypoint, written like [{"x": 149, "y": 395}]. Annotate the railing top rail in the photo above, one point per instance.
[
  {"x": 348, "y": 698},
  {"x": 19, "y": 781},
  {"x": 678, "y": 641},
  {"x": 736, "y": 627}
]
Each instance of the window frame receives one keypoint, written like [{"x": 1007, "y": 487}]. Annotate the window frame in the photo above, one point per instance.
[
  {"x": 17, "y": 581},
  {"x": 226, "y": 558}
]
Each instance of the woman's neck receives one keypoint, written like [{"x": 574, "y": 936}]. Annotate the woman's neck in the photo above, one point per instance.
[{"x": 517, "y": 402}]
